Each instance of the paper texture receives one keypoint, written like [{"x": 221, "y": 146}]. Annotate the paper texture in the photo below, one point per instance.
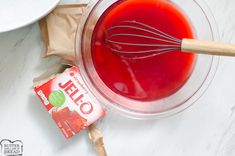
[
  {"x": 97, "y": 139},
  {"x": 58, "y": 30}
]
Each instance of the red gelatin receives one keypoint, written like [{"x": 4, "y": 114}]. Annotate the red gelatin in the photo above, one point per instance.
[
  {"x": 61, "y": 114},
  {"x": 69, "y": 121},
  {"x": 150, "y": 78}
]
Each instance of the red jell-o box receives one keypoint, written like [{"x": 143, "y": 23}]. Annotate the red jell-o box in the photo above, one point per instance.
[{"x": 69, "y": 102}]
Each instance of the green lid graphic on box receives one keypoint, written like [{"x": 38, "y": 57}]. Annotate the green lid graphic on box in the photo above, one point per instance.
[{"x": 57, "y": 98}]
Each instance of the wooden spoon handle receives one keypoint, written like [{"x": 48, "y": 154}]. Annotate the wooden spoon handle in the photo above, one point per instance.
[{"x": 207, "y": 47}]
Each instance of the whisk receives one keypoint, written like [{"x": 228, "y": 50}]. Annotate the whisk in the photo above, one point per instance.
[{"x": 139, "y": 40}]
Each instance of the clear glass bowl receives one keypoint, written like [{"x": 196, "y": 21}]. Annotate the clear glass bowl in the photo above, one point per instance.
[{"x": 205, "y": 68}]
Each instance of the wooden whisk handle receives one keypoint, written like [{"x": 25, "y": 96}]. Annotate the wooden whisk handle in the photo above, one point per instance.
[{"x": 207, "y": 47}]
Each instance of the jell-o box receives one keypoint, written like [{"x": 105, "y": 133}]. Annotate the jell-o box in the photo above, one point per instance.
[{"x": 69, "y": 102}]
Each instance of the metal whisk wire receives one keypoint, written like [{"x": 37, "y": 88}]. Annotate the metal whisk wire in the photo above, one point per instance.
[{"x": 167, "y": 43}]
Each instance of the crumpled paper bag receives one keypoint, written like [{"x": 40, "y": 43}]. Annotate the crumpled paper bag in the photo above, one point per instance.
[{"x": 58, "y": 30}]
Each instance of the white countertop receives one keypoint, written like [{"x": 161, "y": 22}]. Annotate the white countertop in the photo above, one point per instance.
[{"x": 205, "y": 129}]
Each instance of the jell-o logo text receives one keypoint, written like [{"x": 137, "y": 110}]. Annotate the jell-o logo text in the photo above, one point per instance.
[
  {"x": 68, "y": 101},
  {"x": 73, "y": 92}
]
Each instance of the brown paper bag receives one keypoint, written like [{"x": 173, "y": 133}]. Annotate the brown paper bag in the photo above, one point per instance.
[
  {"x": 58, "y": 30},
  {"x": 97, "y": 139}
]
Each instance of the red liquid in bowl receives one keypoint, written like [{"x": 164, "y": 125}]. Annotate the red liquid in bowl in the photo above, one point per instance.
[{"x": 150, "y": 78}]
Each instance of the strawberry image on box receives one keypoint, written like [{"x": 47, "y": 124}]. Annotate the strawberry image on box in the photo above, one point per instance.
[{"x": 69, "y": 102}]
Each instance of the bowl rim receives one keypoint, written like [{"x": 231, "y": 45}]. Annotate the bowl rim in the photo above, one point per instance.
[{"x": 140, "y": 115}]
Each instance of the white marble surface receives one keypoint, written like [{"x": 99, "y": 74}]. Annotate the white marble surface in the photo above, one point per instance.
[{"x": 205, "y": 129}]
